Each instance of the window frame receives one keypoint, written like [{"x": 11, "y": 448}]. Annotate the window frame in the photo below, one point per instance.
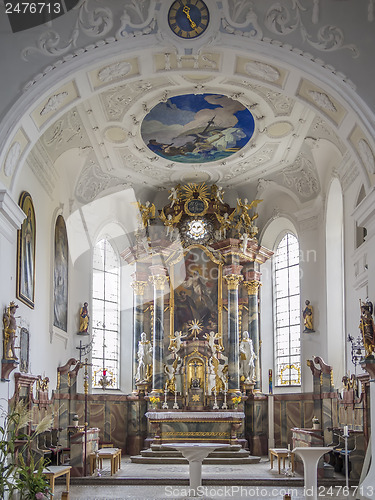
[
  {"x": 295, "y": 325},
  {"x": 97, "y": 360}
]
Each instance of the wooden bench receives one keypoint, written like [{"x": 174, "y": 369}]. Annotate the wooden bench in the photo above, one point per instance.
[
  {"x": 113, "y": 454},
  {"x": 54, "y": 471},
  {"x": 281, "y": 453}
]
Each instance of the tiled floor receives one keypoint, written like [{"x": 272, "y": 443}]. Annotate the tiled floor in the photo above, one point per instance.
[{"x": 165, "y": 482}]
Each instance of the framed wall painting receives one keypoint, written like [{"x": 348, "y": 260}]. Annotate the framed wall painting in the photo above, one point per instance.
[
  {"x": 26, "y": 252},
  {"x": 60, "y": 276}
]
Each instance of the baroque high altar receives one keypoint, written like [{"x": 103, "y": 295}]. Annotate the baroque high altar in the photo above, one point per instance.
[{"x": 195, "y": 329}]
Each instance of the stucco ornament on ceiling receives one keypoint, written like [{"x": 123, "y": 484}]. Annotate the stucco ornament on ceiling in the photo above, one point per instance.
[
  {"x": 284, "y": 19},
  {"x": 322, "y": 100},
  {"x": 301, "y": 177},
  {"x": 197, "y": 128},
  {"x": 263, "y": 71},
  {"x": 114, "y": 71},
  {"x": 54, "y": 103},
  {"x": 92, "y": 22},
  {"x": 367, "y": 156},
  {"x": 93, "y": 181},
  {"x": 12, "y": 159}
]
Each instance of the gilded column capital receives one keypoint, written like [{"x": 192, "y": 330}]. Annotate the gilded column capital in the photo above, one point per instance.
[
  {"x": 159, "y": 281},
  {"x": 139, "y": 287},
  {"x": 252, "y": 286},
  {"x": 233, "y": 281}
]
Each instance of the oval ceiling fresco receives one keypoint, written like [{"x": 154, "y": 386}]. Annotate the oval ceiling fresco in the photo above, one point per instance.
[{"x": 197, "y": 128}]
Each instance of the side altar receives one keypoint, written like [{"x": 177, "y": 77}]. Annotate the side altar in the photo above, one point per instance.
[{"x": 196, "y": 343}]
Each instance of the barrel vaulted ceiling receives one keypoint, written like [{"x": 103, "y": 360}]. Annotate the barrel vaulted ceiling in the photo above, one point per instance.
[{"x": 107, "y": 66}]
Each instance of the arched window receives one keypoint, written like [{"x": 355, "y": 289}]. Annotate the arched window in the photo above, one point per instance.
[
  {"x": 105, "y": 316},
  {"x": 287, "y": 312}
]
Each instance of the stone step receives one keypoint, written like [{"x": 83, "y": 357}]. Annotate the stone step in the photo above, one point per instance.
[
  {"x": 230, "y": 447},
  {"x": 139, "y": 459},
  {"x": 215, "y": 454}
]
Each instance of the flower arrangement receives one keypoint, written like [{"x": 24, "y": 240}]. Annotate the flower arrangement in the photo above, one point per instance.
[
  {"x": 236, "y": 400},
  {"x": 315, "y": 420},
  {"x": 154, "y": 400}
]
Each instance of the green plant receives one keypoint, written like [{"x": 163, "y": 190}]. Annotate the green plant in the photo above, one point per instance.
[
  {"x": 15, "y": 444},
  {"x": 31, "y": 480}
]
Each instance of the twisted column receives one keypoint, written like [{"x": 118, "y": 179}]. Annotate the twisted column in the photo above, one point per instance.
[
  {"x": 138, "y": 321},
  {"x": 159, "y": 279},
  {"x": 233, "y": 281},
  {"x": 252, "y": 287}
]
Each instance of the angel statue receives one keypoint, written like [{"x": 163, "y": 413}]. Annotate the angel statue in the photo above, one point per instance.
[
  {"x": 243, "y": 209},
  {"x": 174, "y": 195},
  {"x": 217, "y": 193},
  {"x": 225, "y": 223},
  {"x": 147, "y": 212},
  {"x": 170, "y": 222}
]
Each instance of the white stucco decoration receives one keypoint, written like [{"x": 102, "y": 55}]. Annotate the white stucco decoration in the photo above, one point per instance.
[
  {"x": 54, "y": 103},
  {"x": 322, "y": 100},
  {"x": 114, "y": 71},
  {"x": 367, "y": 156},
  {"x": 262, "y": 71},
  {"x": 12, "y": 159}
]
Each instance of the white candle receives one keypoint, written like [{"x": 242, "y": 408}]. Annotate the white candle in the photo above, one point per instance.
[{"x": 346, "y": 430}]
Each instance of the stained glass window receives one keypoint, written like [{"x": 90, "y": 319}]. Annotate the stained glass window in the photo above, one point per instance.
[
  {"x": 287, "y": 312},
  {"x": 105, "y": 316}
]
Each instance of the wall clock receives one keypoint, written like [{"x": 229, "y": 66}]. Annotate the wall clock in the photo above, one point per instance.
[{"x": 188, "y": 18}]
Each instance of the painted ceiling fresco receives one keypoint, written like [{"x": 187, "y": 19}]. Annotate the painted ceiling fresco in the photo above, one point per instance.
[{"x": 197, "y": 128}]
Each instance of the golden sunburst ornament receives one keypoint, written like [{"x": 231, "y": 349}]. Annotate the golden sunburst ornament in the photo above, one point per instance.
[
  {"x": 195, "y": 326},
  {"x": 195, "y": 397},
  {"x": 196, "y": 191}
]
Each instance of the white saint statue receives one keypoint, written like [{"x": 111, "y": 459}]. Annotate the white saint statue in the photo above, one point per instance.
[
  {"x": 247, "y": 358},
  {"x": 144, "y": 356}
]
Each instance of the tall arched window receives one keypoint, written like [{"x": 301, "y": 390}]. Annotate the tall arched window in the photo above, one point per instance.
[
  {"x": 287, "y": 312},
  {"x": 105, "y": 316}
]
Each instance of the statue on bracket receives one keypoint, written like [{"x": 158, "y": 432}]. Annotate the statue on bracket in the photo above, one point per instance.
[
  {"x": 308, "y": 318},
  {"x": 10, "y": 327},
  {"x": 367, "y": 328},
  {"x": 247, "y": 359},
  {"x": 84, "y": 319}
]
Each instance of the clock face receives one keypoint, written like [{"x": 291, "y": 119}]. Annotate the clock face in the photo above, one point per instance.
[{"x": 188, "y": 18}]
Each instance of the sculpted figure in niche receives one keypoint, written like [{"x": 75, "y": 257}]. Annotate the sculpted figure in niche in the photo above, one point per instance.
[
  {"x": 247, "y": 358},
  {"x": 10, "y": 327},
  {"x": 144, "y": 356},
  {"x": 308, "y": 318}
]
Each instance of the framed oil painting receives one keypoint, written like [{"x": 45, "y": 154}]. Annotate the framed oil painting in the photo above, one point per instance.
[
  {"x": 26, "y": 253},
  {"x": 60, "y": 276}
]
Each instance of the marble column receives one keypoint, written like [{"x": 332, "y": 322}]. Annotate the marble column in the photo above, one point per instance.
[
  {"x": 252, "y": 290},
  {"x": 159, "y": 279},
  {"x": 233, "y": 280},
  {"x": 138, "y": 286}
]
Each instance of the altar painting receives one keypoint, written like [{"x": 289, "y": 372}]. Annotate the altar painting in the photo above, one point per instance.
[
  {"x": 197, "y": 294},
  {"x": 60, "y": 278}
]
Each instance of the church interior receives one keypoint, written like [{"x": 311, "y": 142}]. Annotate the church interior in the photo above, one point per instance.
[{"x": 187, "y": 210}]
